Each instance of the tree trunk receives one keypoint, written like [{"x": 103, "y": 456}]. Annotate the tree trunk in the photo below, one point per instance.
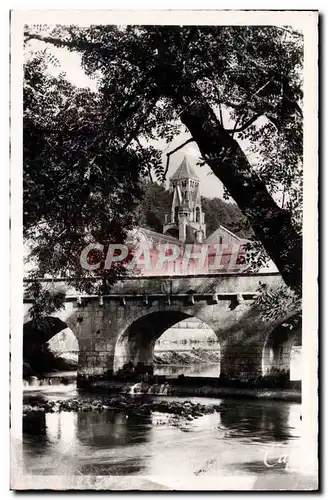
[{"x": 271, "y": 224}]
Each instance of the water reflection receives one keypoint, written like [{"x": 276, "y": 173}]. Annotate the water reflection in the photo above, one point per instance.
[
  {"x": 49, "y": 443},
  {"x": 109, "y": 442},
  {"x": 84, "y": 442},
  {"x": 232, "y": 441},
  {"x": 112, "y": 429},
  {"x": 34, "y": 424},
  {"x": 259, "y": 421},
  {"x": 61, "y": 429}
]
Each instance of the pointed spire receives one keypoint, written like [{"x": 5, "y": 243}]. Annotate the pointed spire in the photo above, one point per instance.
[{"x": 184, "y": 171}]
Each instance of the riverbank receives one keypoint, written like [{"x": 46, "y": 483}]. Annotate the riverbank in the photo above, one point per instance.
[
  {"x": 119, "y": 402},
  {"x": 187, "y": 388},
  {"x": 199, "y": 390}
]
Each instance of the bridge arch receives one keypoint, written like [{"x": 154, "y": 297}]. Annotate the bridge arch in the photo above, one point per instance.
[
  {"x": 42, "y": 329},
  {"x": 40, "y": 336},
  {"x": 277, "y": 350},
  {"x": 135, "y": 345}
]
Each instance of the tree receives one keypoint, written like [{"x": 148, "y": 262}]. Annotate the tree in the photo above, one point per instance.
[
  {"x": 155, "y": 203},
  {"x": 152, "y": 77},
  {"x": 218, "y": 212},
  {"x": 77, "y": 187}
]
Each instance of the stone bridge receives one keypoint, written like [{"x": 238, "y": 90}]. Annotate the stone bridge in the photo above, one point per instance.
[{"x": 123, "y": 326}]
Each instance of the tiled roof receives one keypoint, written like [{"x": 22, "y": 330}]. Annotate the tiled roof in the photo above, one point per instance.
[
  {"x": 185, "y": 171},
  {"x": 218, "y": 232}
]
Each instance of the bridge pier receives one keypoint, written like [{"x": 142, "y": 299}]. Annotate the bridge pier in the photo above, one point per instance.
[
  {"x": 96, "y": 340},
  {"x": 241, "y": 362}
]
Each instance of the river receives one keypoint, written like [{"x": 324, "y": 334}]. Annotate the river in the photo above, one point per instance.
[
  {"x": 173, "y": 370},
  {"x": 203, "y": 365},
  {"x": 244, "y": 438},
  {"x": 195, "y": 370}
]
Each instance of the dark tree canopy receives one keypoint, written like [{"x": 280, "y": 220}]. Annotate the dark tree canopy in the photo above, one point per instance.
[
  {"x": 155, "y": 202},
  {"x": 155, "y": 81},
  {"x": 75, "y": 191}
]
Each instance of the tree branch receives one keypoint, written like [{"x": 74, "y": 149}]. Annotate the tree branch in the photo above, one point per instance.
[
  {"x": 148, "y": 167},
  {"x": 79, "y": 45},
  {"x": 220, "y": 111},
  {"x": 245, "y": 125},
  {"x": 272, "y": 225},
  {"x": 290, "y": 31},
  {"x": 57, "y": 42},
  {"x": 168, "y": 155},
  {"x": 141, "y": 120},
  {"x": 261, "y": 88},
  {"x": 257, "y": 115}
]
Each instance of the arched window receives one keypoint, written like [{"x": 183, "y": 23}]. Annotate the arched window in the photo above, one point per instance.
[
  {"x": 176, "y": 214},
  {"x": 197, "y": 214}
]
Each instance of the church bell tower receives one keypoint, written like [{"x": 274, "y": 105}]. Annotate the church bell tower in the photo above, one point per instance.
[{"x": 186, "y": 221}]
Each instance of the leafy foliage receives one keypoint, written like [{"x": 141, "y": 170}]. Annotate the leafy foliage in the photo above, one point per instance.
[
  {"x": 78, "y": 187},
  {"x": 277, "y": 302},
  {"x": 218, "y": 212},
  {"x": 85, "y": 153},
  {"x": 155, "y": 203},
  {"x": 47, "y": 299}
]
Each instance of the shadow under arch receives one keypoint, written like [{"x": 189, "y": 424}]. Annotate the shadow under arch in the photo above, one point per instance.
[
  {"x": 276, "y": 355},
  {"x": 135, "y": 346},
  {"x": 174, "y": 232},
  {"x": 38, "y": 356}
]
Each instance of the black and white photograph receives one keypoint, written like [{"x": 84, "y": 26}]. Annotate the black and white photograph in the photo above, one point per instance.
[{"x": 164, "y": 235}]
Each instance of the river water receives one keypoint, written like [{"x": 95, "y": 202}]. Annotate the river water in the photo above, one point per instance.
[
  {"x": 193, "y": 370},
  {"x": 256, "y": 438},
  {"x": 211, "y": 369},
  {"x": 206, "y": 368}
]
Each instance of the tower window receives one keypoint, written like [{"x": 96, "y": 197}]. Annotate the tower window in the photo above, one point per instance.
[
  {"x": 176, "y": 214},
  {"x": 197, "y": 214}
]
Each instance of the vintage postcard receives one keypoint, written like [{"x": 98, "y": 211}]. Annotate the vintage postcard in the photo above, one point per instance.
[{"x": 164, "y": 235}]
